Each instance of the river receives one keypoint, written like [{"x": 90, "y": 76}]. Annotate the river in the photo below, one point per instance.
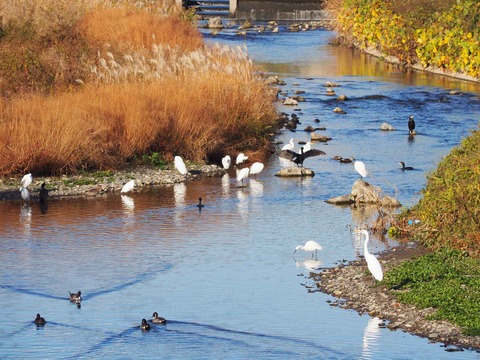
[{"x": 226, "y": 277}]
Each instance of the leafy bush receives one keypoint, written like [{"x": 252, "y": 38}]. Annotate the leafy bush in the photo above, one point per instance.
[{"x": 435, "y": 33}]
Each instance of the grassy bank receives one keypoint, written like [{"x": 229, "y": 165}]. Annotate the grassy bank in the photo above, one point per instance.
[
  {"x": 449, "y": 213},
  {"x": 92, "y": 85},
  {"x": 439, "y": 33}
]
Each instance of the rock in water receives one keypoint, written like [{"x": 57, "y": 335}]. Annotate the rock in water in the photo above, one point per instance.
[
  {"x": 292, "y": 171},
  {"x": 215, "y": 23}
]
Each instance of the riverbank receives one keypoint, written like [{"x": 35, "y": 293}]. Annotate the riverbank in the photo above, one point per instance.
[
  {"x": 353, "y": 287},
  {"x": 105, "y": 182}
]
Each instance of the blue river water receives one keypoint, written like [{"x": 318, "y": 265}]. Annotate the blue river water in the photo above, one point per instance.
[{"x": 225, "y": 277}]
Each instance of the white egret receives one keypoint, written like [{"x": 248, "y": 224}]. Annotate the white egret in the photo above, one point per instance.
[
  {"x": 405, "y": 167},
  {"x": 307, "y": 146},
  {"x": 180, "y": 165},
  {"x": 226, "y": 161},
  {"x": 310, "y": 246},
  {"x": 360, "y": 168},
  {"x": 25, "y": 194},
  {"x": 158, "y": 319},
  {"x": 26, "y": 181},
  {"x": 290, "y": 146},
  {"x": 241, "y": 158},
  {"x": 242, "y": 174},
  {"x": 256, "y": 168},
  {"x": 128, "y": 186},
  {"x": 372, "y": 262}
]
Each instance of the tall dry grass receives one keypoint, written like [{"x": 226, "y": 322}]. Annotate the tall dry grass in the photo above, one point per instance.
[
  {"x": 105, "y": 127},
  {"x": 125, "y": 29},
  {"x": 144, "y": 83}
]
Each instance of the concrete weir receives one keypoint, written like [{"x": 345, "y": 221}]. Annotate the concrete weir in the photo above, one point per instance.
[
  {"x": 280, "y": 10},
  {"x": 255, "y": 10}
]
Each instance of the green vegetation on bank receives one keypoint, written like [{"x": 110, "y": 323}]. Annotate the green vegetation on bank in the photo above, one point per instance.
[
  {"x": 99, "y": 84},
  {"x": 449, "y": 211},
  {"x": 448, "y": 281},
  {"x": 440, "y": 33}
]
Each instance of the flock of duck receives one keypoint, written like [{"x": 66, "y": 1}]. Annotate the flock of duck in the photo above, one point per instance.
[{"x": 76, "y": 298}]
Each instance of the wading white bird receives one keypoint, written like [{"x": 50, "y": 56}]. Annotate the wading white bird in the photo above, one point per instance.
[
  {"x": 290, "y": 146},
  {"x": 372, "y": 262},
  {"x": 26, "y": 181},
  {"x": 310, "y": 246},
  {"x": 242, "y": 174},
  {"x": 360, "y": 168},
  {"x": 256, "y": 168},
  {"x": 128, "y": 186},
  {"x": 226, "y": 161},
  {"x": 241, "y": 158},
  {"x": 307, "y": 146},
  {"x": 180, "y": 165},
  {"x": 25, "y": 194}
]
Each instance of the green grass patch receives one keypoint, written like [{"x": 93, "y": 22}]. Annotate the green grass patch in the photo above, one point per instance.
[
  {"x": 447, "y": 280},
  {"x": 75, "y": 182}
]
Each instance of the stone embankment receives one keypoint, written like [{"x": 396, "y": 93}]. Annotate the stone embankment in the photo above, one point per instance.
[
  {"x": 95, "y": 184},
  {"x": 354, "y": 288}
]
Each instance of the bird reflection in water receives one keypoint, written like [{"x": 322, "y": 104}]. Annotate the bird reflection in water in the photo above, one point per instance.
[
  {"x": 225, "y": 185},
  {"x": 26, "y": 219},
  {"x": 310, "y": 264},
  {"x": 371, "y": 337},
  {"x": 179, "y": 194}
]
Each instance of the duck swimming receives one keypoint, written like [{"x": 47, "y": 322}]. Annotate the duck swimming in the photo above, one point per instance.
[
  {"x": 76, "y": 297},
  {"x": 158, "y": 320},
  {"x": 200, "y": 205},
  {"x": 405, "y": 167},
  {"x": 39, "y": 320},
  {"x": 145, "y": 325}
]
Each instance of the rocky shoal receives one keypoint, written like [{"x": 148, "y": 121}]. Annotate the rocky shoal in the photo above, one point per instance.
[
  {"x": 100, "y": 183},
  {"x": 353, "y": 287}
]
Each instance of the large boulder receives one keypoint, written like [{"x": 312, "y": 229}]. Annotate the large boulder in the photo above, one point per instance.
[
  {"x": 294, "y": 171},
  {"x": 387, "y": 127},
  {"x": 319, "y": 137},
  {"x": 366, "y": 194}
]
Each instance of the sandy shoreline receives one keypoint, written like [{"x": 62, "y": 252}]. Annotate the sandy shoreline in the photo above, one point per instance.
[{"x": 352, "y": 286}]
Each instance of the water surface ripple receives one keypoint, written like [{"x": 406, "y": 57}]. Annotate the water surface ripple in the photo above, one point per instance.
[{"x": 226, "y": 277}]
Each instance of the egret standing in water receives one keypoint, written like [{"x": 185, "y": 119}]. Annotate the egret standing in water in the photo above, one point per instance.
[
  {"x": 128, "y": 186},
  {"x": 242, "y": 174},
  {"x": 25, "y": 183},
  {"x": 241, "y": 158},
  {"x": 25, "y": 194},
  {"x": 372, "y": 262},
  {"x": 360, "y": 168},
  {"x": 310, "y": 246},
  {"x": 290, "y": 146},
  {"x": 411, "y": 125},
  {"x": 180, "y": 165},
  {"x": 226, "y": 161},
  {"x": 256, "y": 168}
]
